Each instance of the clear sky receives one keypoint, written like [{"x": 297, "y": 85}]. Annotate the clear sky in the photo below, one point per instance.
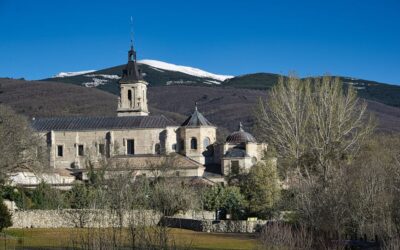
[{"x": 341, "y": 37}]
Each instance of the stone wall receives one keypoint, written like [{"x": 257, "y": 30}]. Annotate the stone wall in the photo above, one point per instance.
[
  {"x": 222, "y": 226},
  {"x": 203, "y": 221},
  {"x": 144, "y": 143},
  {"x": 93, "y": 218},
  {"x": 232, "y": 226}
]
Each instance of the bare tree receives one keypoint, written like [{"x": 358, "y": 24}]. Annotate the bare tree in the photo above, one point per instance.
[
  {"x": 312, "y": 124},
  {"x": 20, "y": 147},
  {"x": 283, "y": 236},
  {"x": 282, "y": 120},
  {"x": 317, "y": 128},
  {"x": 132, "y": 208},
  {"x": 338, "y": 124}
]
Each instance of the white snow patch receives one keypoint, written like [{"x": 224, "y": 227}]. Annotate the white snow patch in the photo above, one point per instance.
[
  {"x": 184, "y": 69},
  {"x": 76, "y": 73},
  {"x": 179, "y": 82},
  {"x": 159, "y": 70},
  {"x": 104, "y": 76},
  {"x": 96, "y": 82},
  {"x": 212, "y": 82}
]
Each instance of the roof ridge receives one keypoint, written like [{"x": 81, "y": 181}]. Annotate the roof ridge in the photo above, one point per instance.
[
  {"x": 196, "y": 119},
  {"x": 170, "y": 120},
  {"x": 101, "y": 123}
]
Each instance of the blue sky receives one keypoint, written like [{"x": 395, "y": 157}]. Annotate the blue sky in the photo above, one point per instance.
[{"x": 352, "y": 38}]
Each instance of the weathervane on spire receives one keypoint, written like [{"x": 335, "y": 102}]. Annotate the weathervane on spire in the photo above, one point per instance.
[
  {"x": 132, "y": 53},
  {"x": 131, "y": 32}
]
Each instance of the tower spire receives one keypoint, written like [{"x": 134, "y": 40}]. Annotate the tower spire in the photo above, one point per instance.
[
  {"x": 133, "y": 89},
  {"x": 131, "y": 33}
]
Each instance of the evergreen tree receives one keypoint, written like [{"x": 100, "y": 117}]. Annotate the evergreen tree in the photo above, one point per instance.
[
  {"x": 261, "y": 189},
  {"x": 46, "y": 197},
  {"x": 5, "y": 216}
]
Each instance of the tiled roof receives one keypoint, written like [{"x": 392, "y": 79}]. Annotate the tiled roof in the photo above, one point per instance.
[
  {"x": 171, "y": 162},
  {"x": 196, "y": 120},
  {"x": 101, "y": 123},
  {"x": 240, "y": 136}
]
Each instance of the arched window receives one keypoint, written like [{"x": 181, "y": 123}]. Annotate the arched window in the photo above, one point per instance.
[
  {"x": 206, "y": 143},
  {"x": 157, "y": 149},
  {"x": 193, "y": 143},
  {"x": 130, "y": 95}
]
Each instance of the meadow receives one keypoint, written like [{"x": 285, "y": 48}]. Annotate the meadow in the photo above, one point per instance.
[{"x": 61, "y": 238}]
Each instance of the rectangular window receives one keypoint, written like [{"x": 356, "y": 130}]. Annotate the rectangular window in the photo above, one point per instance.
[
  {"x": 235, "y": 167},
  {"x": 102, "y": 149},
  {"x": 130, "y": 147},
  {"x": 81, "y": 151},
  {"x": 60, "y": 151}
]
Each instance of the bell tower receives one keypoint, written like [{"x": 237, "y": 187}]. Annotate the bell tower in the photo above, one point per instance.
[{"x": 132, "y": 100}]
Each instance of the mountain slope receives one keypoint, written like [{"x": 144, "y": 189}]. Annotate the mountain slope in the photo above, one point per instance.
[
  {"x": 156, "y": 73},
  {"x": 184, "y": 69},
  {"x": 161, "y": 74},
  {"x": 223, "y": 106},
  {"x": 370, "y": 90}
]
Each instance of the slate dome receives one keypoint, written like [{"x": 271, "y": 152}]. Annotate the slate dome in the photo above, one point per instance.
[{"x": 240, "y": 136}]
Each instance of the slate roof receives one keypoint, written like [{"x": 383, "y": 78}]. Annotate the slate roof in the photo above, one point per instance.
[
  {"x": 131, "y": 72},
  {"x": 196, "y": 119},
  {"x": 177, "y": 161},
  {"x": 101, "y": 123},
  {"x": 236, "y": 152}
]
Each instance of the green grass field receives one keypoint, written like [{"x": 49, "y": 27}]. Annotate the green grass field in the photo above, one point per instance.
[{"x": 60, "y": 238}]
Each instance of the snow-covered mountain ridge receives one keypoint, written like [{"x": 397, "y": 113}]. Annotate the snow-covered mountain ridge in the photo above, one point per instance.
[
  {"x": 160, "y": 66},
  {"x": 73, "y": 73},
  {"x": 184, "y": 69}
]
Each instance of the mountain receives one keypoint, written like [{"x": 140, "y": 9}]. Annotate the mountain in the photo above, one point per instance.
[
  {"x": 77, "y": 73},
  {"x": 223, "y": 106},
  {"x": 370, "y": 90},
  {"x": 156, "y": 73},
  {"x": 159, "y": 73},
  {"x": 186, "y": 70}
]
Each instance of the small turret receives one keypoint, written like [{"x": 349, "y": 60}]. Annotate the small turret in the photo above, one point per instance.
[{"x": 196, "y": 136}]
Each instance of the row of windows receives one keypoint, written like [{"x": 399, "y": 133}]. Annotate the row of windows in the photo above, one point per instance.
[
  {"x": 81, "y": 150},
  {"x": 130, "y": 147},
  {"x": 193, "y": 143}
]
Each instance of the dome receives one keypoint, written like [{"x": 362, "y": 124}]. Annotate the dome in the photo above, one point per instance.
[{"x": 240, "y": 136}]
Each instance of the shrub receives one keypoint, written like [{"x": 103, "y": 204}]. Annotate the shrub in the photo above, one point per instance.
[
  {"x": 226, "y": 198},
  {"x": 46, "y": 197},
  {"x": 20, "y": 196},
  {"x": 5, "y": 216}
]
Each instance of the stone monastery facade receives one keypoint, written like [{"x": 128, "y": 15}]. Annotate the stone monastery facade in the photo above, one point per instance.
[{"x": 139, "y": 141}]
